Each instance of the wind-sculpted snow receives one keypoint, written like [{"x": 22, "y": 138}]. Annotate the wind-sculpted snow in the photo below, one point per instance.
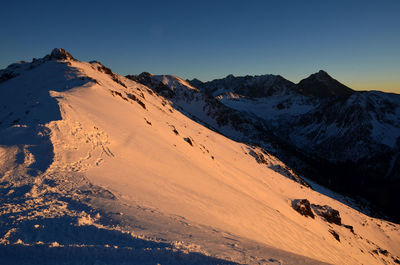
[
  {"x": 46, "y": 221},
  {"x": 96, "y": 168}
]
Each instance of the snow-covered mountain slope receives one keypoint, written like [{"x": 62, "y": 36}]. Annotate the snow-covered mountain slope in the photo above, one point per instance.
[
  {"x": 349, "y": 138},
  {"x": 234, "y": 124},
  {"x": 204, "y": 108},
  {"x": 97, "y": 168}
]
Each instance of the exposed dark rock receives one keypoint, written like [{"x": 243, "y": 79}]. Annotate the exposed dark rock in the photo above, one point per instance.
[
  {"x": 303, "y": 207},
  {"x": 60, "y": 54},
  {"x": 195, "y": 82},
  {"x": 328, "y": 213},
  {"x": 283, "y": 170},
  {"x": 334, "y": 234},
  {"x": 145, "y": 78},
  {"x": 286, "y": 171},
  {"x": 383, "y": 251},
  {"x": 7, "y": 76},
  {"x": 259, "y": 157},
  {"x": 349, "y": 227},
  {"x": 187, "y": 139},
  {"x": 148, "y": 122},
  {"x": 117, "y": 93},
  {"x": 134, "y": 98},
  {"x": 106, "y": 70}
]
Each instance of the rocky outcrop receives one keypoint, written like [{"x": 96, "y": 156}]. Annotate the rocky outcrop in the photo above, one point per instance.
[
  {"x": 335, "y": 234},
  {"x": 101, "y": 68},
  {"x": 60, "y": 54},
  {"x": 303, "y": 207},
  {"x": 6, "y": 75},
  {"x": 148, "y": 80},
  {"x": 262, "y": 158},
  {"x": 188, "y": 140},
  {"x": 328, "y": 213}
]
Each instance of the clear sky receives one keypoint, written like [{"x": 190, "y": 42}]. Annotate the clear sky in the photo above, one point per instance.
[{"x": 357, "y": 42}]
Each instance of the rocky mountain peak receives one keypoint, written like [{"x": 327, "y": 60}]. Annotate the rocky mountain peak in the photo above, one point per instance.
[
  {"x": 61, "y": 54},
  {"x": 16, "y": 69},
  {"x": 322, "y": 85},
  {"x": 143, "y": 78},
  {"x": 195, "y": 82},
  {"x": 322, "y": 74}
]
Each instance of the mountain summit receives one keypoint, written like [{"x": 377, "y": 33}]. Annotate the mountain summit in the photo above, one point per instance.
[
  {"x": 322, "y": 85},
  {"x": 61, "y": 54}
]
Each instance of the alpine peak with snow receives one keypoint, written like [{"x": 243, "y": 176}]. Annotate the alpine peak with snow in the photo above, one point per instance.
[{"x": 97, "y": 168}]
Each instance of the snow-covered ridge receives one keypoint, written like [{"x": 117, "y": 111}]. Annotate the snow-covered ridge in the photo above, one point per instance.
[
  {"x": 247, "y": 86},
  {"x": 99, "y": 168},
  {"x": 16, "y": 69}
]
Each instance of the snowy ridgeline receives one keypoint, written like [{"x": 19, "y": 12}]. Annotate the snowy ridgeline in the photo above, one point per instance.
[{"x": 96, "y": 168}]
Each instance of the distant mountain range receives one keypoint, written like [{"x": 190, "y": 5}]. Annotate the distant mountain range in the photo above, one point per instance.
[{"x": 319, "y": 85}]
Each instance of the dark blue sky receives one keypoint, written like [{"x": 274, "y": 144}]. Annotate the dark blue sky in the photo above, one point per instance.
[{"x": 357, "y": 42}]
